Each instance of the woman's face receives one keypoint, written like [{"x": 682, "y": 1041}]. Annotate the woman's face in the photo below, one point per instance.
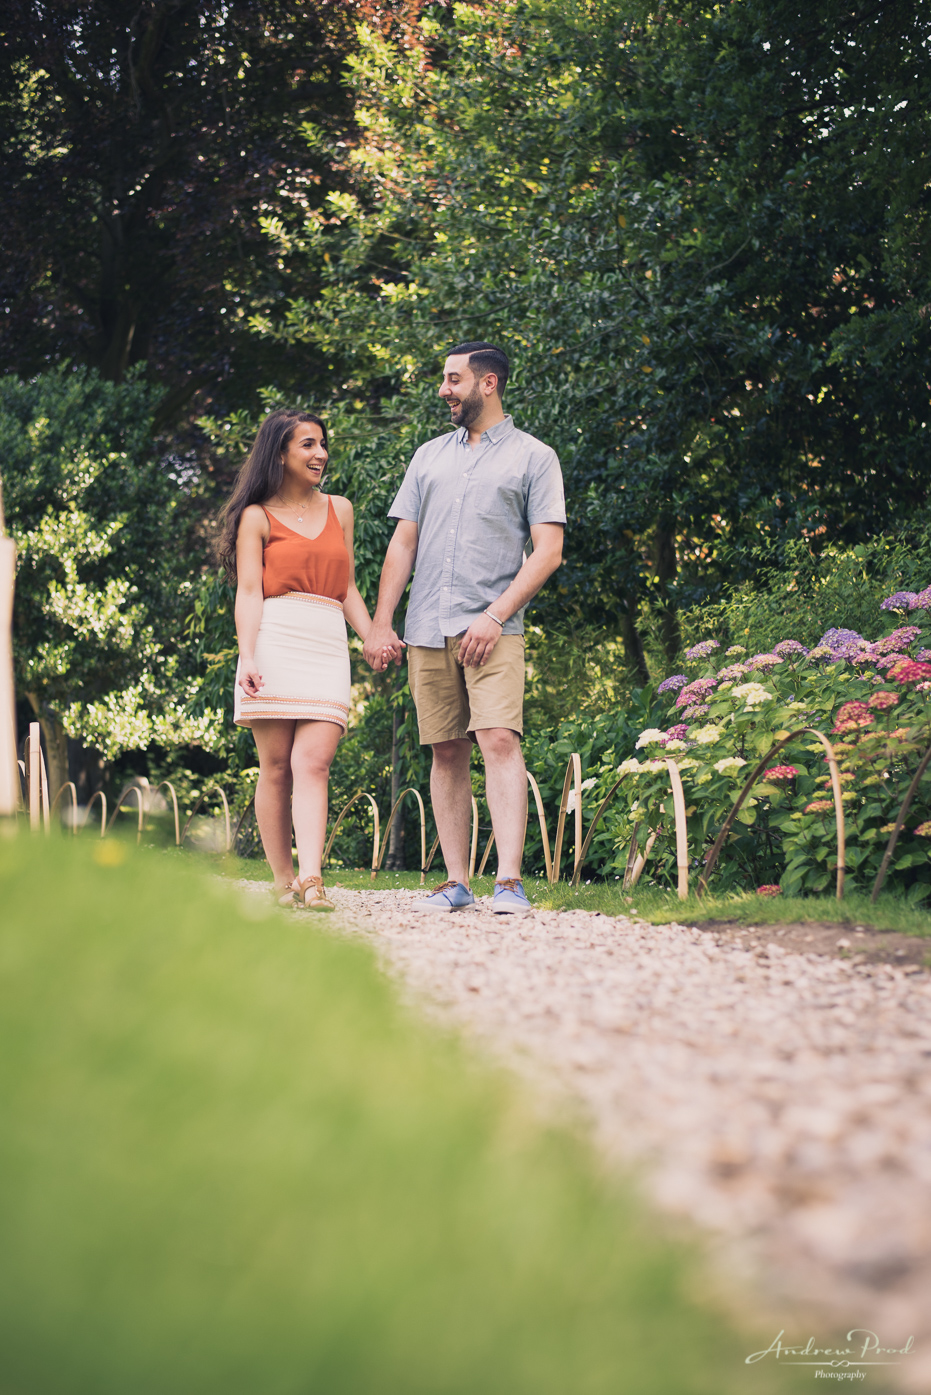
[{"x": 304, "y": 457}]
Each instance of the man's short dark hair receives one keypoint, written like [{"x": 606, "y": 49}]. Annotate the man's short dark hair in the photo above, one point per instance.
[{"x": 485, "y": 358}]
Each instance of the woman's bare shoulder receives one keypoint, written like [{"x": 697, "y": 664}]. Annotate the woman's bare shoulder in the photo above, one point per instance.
[
  {"x": 343, "y": 507},
  {"x": 254, "y": 519}
]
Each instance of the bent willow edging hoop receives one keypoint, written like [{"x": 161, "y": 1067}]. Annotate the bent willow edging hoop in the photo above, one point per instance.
[{"x": 35, "y": 781}]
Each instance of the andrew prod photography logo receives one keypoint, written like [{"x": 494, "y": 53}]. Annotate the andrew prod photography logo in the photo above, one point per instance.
[{"x": 836, "y": 1363}]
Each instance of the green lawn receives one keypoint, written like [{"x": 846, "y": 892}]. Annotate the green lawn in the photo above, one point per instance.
[{"x": 231, "y": 1162}]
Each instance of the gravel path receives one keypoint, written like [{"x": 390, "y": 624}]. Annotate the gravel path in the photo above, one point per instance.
[{"x": 780, "y": 1100}]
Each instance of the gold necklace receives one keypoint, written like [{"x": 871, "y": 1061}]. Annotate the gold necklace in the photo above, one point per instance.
[{"x": 303, "y": 508}]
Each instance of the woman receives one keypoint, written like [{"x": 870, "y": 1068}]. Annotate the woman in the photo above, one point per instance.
[{"x": 288, "y": 546}]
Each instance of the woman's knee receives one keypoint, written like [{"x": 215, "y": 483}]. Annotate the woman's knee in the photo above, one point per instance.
[
  {"x": 311, "y": 765},
  {"x": 276, "y": 769}
]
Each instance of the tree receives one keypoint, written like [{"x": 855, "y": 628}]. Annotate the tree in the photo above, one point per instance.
[
  {"x": 141, "y": 142},
  {"x": 704, "y": 236},
  {"x": 108, "y": 560}
]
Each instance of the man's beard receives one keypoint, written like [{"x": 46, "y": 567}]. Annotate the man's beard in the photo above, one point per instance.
[{"x": 470, "y": 408}]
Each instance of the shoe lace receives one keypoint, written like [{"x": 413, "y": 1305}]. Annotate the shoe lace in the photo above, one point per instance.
[
  {"x": 443, "y": 886},
  {"x": 508, "y": 883}
]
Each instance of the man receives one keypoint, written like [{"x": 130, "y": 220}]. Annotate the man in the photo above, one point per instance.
[{"x": 469, "y": 504}]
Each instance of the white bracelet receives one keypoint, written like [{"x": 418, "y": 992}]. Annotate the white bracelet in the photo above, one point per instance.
[{"x": 494, "y": 617}]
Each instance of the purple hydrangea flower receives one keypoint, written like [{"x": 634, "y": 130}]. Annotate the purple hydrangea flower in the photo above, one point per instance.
[
  {"x": 677, "y": 732},
  {"x": 763, "y": 661},
  {"x": 698, "y": 709},
  {"x": 672, "y": 685},
  {"x": 842, "y": 640},
  {"x": 924, "y": 656},
  {"x": 822, "y": 651},
  {"x": 733, "y": 672},
  {"x": 899, "y": 638},
  {"x": 787, "y": 647},
  {"x": 702, "y": 650},
  {"x": 923, "y": 600},
  {"x": 696, "y": 691},
  {"x": 887, "y": 660},
  {"x": 900, "y": 600}
]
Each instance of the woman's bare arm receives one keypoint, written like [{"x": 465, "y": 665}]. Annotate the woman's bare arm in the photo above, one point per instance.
[
  {"x": 253, "y": 532},
  {"x": 354, "y": 607}
]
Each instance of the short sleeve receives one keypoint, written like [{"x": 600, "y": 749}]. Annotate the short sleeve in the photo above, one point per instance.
[
  {"x": 546, "y": 499},
  {"x": 408, "y": 498}
]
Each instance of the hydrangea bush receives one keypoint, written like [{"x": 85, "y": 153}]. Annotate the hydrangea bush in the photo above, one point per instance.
[{"x": 871, "y": 699}]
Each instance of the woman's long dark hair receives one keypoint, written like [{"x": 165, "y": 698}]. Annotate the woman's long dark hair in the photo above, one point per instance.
[{"x": 260, "y": 475}]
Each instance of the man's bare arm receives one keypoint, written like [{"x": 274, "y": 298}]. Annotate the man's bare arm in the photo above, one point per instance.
[
  {"x": 483, "y": 634},
  {"x": 395, "y": 574}
]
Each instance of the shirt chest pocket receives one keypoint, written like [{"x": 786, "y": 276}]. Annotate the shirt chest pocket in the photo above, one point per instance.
[{"x": 496, "y": 498}]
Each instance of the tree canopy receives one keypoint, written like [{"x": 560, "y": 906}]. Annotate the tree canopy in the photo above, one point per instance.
[
  {"x": 141, "y": 144},
  {"x": 703, "y": 236}
]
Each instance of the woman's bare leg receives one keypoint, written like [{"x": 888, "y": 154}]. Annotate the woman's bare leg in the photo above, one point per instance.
[
  {"x": 311, "y": 757},
  {"x": 274, "y": 739}
]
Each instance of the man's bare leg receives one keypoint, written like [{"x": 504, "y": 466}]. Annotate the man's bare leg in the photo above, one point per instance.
[
  {"x": 451, "y": 792},
  {"x": 506, "y": 792}
]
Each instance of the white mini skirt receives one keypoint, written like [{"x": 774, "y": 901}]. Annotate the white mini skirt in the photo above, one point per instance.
[{"x": 303, "y": 657}]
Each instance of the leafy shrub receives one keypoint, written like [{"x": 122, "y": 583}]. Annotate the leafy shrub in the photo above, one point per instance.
[{"x": 729, "y": 710}]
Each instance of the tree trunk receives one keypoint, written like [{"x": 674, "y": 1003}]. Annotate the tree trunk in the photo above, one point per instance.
[{"x": 633, "y": 644}]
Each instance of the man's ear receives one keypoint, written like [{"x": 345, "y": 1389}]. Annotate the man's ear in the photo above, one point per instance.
[{"x": 490, "y": 383}]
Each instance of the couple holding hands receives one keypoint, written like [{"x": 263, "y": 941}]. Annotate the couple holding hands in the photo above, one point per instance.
[{"x": 470, "y": 504}]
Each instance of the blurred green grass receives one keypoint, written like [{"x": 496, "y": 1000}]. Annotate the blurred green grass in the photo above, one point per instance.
[{"x": 230, "y": 1161}]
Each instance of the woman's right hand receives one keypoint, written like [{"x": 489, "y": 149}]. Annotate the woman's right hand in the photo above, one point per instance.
[{"x": 250, "y": 680}]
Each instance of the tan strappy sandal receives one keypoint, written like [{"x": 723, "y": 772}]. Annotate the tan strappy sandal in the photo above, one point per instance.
[
  {"x": 286, "y": 895},
  {"x": 311, "y": 894}
]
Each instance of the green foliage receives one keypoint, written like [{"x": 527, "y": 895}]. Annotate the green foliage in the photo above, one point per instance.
[
  {"x": 803, "y": 593},
  {"x": 786, "y": 830},
  {"x": 106, "y": 567},
  {"x": 141, "y": 147},
  {"x": 682, "y": 229},
  {"x": 231, "y": 1161}
]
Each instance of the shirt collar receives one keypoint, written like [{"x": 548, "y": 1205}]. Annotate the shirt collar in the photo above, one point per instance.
[{"x": 493, "y": 434}]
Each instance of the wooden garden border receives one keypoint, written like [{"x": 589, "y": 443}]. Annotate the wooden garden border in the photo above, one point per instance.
[
  {"x": 140, "y": 804},
  {"x": 360, "y": 794},
  {"x": 423, "y": 832}
]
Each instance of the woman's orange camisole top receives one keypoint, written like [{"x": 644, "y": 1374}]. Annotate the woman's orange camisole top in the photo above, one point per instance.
[{"x": 317, "y": 566}]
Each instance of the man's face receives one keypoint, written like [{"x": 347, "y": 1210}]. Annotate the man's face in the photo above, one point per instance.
[{"x": 461, "y": 390}]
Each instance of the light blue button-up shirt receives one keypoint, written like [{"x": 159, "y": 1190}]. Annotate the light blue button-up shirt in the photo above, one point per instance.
[{"x": 473, "y": 510}]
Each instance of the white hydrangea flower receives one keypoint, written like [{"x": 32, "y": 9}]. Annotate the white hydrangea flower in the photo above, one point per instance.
[
  {"x": 751, "y": 693},
  {"x": 707, "y": 736},
  {"x": 704, "y": 778},
  {"x": 570, "y": 802},
  {"x": 675, "y": 745},
  {"x": 649, "y": 737},
  {"x": 729, "y": 765},
  {"x": 654, "y": 765},
  {"x": 629, "y": 767}
]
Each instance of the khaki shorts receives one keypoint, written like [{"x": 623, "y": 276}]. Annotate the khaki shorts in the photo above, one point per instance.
[{"x": 453, "y": 701}]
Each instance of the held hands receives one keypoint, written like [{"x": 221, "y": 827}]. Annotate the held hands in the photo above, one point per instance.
[
  {"x": 478, "y": 642},
  {"x": 382, "y": 646}
]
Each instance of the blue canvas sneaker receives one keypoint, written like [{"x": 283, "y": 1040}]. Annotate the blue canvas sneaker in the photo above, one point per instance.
[
  {"x": 448, "y": 896},
  {"x": 511, "y": 898}
]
